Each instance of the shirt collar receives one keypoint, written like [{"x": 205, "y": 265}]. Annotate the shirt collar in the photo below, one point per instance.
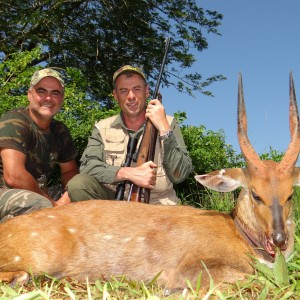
[{"x": 118, "y": 122}]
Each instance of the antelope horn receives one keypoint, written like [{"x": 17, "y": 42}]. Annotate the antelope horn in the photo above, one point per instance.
[
  {"x": 291, "y": 155},
  {"x": 252, "y": 159}
]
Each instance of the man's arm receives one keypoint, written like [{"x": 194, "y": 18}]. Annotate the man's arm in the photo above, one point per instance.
[
  {"x": 68, "y": 170},
  {"x": 15, "y": 174},
  {"x": 176, "y": 160}
]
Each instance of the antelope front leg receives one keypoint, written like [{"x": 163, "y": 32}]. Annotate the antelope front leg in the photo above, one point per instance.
[{"x": 17, "y": 277}]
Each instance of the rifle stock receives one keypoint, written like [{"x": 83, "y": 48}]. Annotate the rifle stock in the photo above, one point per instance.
[{"x": 146, "y": 153}]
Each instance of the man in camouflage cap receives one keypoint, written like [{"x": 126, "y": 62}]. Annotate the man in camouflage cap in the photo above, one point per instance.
[
  {"x": 128, "y": 69},
  {"x": 32, "y": 143},
  {"x": 102, "y": 166},
  {"x": 40, "y": 74}
]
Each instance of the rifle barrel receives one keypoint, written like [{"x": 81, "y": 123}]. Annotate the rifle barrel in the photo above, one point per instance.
[{"x": 168, "y": 42}]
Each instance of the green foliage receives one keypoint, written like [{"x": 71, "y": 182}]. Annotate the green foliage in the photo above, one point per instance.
[
  {"x": 209, "y": 152},
  {"x": 15, "y": 73},
  {"x": 278, "y": 274},
  {"x": 97, "y": 37},
  {"x": 208, "y": 149},
  {"x": 272, "y": 155},
  {"x": 296, "y": 205},
  {"x": 80, "y": 113}
]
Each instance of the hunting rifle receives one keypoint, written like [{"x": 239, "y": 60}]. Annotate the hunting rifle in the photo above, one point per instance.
[
  {"x": 147, "y": 147},
  {"x": 131, "y": 147}
]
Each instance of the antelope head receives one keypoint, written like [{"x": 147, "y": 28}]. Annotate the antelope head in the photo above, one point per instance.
[{"x": 264, "y": 208}]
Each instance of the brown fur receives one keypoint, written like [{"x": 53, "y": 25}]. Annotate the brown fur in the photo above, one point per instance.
[{"x": 101, "y": 238}]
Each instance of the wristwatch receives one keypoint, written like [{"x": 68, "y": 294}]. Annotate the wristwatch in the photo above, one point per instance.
[{"x": 165, "y": 136}]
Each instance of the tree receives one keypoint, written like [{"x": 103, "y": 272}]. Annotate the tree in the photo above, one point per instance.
[{"x": 97, "y": 37}]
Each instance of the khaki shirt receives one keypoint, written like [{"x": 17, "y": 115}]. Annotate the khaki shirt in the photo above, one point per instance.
[{"x": 106, "y": 151}]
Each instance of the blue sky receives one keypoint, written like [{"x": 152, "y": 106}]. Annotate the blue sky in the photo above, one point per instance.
[{"x": 260, "y": 39}]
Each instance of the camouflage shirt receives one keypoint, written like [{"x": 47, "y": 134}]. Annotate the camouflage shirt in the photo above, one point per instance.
[{"x": 43, "y": 148}]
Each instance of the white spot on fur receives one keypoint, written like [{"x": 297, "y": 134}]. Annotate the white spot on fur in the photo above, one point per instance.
[
  {"x": 108, "y": 237},
  {"x": 51, "y": 216},
  {"x": 222, "y": 172},
  {"x": 34, "y": 233},
  {"x": 140, "y": 239},
  {"x": 125, "y": 240},
  {"x": 17, "y": 258},
  {"x": 72, "y": 230}
]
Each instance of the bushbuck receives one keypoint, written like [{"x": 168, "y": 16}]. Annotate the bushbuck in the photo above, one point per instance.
[{"x": 100, "y": 239}]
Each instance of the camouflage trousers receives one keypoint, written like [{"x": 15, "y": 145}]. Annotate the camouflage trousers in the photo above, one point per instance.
[{"x": 14, "y": 202}]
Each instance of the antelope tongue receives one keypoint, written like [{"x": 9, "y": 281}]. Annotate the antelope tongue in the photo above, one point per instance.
[{"x": 269, "y": 247}]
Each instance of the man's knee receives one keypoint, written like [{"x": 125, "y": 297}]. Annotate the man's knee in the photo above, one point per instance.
[
  {"x": 15, "y": 202},
  {"x": 85, "y": 187},
  {"x": 81, "y": 187},
  {"x": 79, "y": 181}
]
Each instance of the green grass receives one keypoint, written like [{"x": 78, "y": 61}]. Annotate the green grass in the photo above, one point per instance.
[{"x": 282, "y": 282}]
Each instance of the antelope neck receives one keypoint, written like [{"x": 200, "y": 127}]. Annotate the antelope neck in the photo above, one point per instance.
[{"x": 250, "y": 238}]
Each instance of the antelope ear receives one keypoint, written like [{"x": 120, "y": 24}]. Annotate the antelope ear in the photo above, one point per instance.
[
  {"x": 224, "y": 180},
  {"x": 296, "y": 176}
]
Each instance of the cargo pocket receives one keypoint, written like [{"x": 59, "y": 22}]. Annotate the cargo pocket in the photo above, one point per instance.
[{"x": 114, "y": 149}]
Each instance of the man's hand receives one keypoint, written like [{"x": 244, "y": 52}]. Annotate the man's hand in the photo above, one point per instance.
[
  {"x": 63, "y": 200},
  {"x": 157, "y": 115},
  {"x": 143, "y": 176}
]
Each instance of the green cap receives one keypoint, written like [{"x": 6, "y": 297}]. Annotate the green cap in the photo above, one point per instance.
[
  {"x": 40, "y": 74},
  {"x": 128, "y": 68}
]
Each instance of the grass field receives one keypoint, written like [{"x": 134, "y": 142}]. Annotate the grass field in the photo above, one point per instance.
[{"x": 282, "y": 282}]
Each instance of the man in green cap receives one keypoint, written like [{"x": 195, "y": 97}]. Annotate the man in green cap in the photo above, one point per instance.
[
  {"x": 102, "y": 166},
  {"x": 32, "y": 143}
]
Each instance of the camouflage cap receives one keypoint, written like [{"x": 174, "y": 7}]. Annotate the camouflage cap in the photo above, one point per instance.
[
  {"x": 40, "y": 74},
  {"x": 128, "y": 68}
]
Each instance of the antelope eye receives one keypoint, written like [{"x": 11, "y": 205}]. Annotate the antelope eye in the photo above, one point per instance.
[
  {"x": 290, "y": 198},
  {"x": 256, "y": 197}
]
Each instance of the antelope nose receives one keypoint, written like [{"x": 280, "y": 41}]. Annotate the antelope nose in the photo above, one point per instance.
[{"x": 279, "y": 238}]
